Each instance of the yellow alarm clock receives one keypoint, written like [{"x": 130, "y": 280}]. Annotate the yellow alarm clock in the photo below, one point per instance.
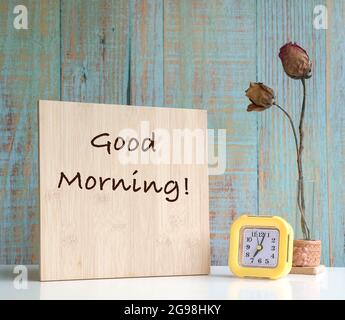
[{"x": 260, "y": 246}]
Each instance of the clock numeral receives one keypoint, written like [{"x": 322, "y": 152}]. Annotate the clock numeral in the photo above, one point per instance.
[
  {"x": 251, "y": 260},
  {"x": 249, "y": 239},
  {"x": 247, "y": 254},
  {"x": 273, "y": 240},
  {"x": 263, "y": 234},
  {"x": 247, "y": 246},
  {"x": 259, "y": 260},
  {"x": 267, "y": 261},
  {"x": 254, "y": 234},
  {"x": 273, "y": 248},
  {"x": 272, "y": 256}
]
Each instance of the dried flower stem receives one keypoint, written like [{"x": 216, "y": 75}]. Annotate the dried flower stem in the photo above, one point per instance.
[
  {"x": 292, "y": 125},
  {"x": 299, "y": 150},
  {"x": 300, "y": 191}
]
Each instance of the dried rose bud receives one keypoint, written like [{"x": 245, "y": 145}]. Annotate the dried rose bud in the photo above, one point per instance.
[
  {"x": 295, "y": 60},
  {"x": 254, "y": 107},
  {"x": 260, "y": 95}
]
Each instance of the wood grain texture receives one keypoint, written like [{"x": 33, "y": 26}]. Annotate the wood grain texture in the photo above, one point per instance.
[
  {"x": 193, "y": 53},
  {"x": 335, "y": 134},
  {"x": 29, "y": 70},
  {"x": 95, "y": 51},
  {"x": 311, "y": 271},
  {"x": 209, "y": 54},
  {"x": 146, "y": 48},
  {"x": 96, "y": 231},
  {"x": 278, "y": 23}
]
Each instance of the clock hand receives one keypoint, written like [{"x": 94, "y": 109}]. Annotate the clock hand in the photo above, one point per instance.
[
  {"x": 262, "y": 240},
  {"x": 259, "y": 247},
  {"x": 256, "y": 252}
]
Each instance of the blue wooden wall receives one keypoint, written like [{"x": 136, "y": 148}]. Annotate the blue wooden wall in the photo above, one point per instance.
[{"x": 180, "y": 53}]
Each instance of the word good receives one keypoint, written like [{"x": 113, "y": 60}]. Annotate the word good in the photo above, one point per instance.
[{"x": 119, "y": 143}]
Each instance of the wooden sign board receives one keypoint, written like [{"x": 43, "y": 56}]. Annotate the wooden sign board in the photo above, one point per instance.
[{"x": 117, "y": 199}]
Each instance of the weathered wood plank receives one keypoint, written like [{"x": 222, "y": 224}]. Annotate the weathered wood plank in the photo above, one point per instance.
[
  {"x": 29, "y": 70},
  {"x": 95, "y": 51},
  {"x": 279, "y": 22},
  {"x": 146, "y": 43},
  {"x": 186, "y": 54},
  {"x": 209, "y": 59},
  {"x": 335, "y": 89}
]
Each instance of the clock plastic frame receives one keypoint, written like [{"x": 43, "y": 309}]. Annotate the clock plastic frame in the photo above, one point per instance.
[{"x": 284, "y": 263}]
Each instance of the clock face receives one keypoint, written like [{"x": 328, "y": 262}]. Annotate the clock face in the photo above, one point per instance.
[{"x": 260, "y": 247}]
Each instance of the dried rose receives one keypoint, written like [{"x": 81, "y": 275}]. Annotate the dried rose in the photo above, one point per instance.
[
  {"x": 261, "y": 96},
  {"x": 295, "y": 60},
  {"x": 254, "y": 107}
]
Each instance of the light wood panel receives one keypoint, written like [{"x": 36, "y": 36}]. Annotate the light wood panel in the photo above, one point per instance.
[
  {"x": 29, "y": 70},
  {"x": 311, "y": 271},
  {"x": 89, "y": 229}
]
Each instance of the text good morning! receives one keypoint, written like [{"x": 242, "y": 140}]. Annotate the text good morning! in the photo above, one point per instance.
[{"x": 171, "y": 188}]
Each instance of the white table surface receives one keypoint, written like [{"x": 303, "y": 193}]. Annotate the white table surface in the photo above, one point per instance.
[{"x": 220, "y": 284}]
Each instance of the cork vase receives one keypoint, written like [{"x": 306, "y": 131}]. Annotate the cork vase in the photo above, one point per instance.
[{"x": 306, "y": 253}]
